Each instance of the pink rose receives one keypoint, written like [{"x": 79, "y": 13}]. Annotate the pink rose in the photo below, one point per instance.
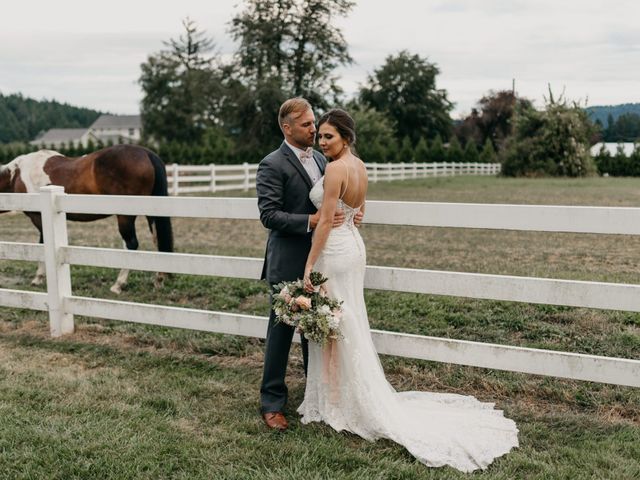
[
  {"x": 285, "y": 295},
  {"x": 303, "y": 302}
]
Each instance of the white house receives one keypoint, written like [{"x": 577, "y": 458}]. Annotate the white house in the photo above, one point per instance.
[
  {"x": 612, "y": 148},
  {"x": 118, "y": 128},
  {"x": 56, "y": 137},
  {"x": 114, "y": 128}
]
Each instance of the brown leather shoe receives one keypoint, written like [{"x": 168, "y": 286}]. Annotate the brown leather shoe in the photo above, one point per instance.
[{"x": 275, "y": 421}]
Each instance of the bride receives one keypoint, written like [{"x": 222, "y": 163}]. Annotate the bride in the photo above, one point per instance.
[{"x": 346, "y": 386}]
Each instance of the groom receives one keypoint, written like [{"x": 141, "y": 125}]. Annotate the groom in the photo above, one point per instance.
[{"x": 283, "y": 182}]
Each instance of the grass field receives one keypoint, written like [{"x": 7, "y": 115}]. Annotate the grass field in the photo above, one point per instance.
[{"x": 117, "y": 400}]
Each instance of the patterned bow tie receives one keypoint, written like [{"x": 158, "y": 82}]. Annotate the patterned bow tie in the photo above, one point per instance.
[{"x": 306, "y": 154}]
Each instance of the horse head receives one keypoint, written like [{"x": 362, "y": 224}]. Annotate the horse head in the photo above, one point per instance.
[
  {"x": 5, "y": 179},
  {"x": 25, "y": 173}
]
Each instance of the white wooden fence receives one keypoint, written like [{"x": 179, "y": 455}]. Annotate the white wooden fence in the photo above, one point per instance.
[
  {"x": 62, "y": 305},
  {"x": 221, "y": 178},
  {"x": 403, "y": 171}
]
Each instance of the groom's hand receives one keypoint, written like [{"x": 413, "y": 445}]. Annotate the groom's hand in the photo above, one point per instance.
[
  {"x": 338, "y": 219},
  {"x": 357, "y": 220}
]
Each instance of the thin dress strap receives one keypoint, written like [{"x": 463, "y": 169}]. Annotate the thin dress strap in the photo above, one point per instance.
[{"x": 346, "y": 183}]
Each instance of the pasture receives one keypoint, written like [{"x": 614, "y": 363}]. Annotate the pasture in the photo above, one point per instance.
[{"x": 118, "y": 400}]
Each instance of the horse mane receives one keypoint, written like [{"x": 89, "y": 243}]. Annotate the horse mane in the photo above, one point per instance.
[{"x": 5, "y": 177}]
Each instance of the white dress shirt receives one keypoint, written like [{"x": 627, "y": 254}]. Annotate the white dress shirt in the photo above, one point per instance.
[
  {"x": 310, "y": 165},
  {"x": 308, "y": 162}
]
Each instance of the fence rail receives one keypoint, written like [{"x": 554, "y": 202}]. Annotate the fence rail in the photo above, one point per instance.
[
  {"x": 62, "y": 305},
  {"x": 219, "y": 178}
]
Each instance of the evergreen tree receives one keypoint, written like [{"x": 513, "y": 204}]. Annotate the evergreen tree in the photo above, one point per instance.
[
  {"x": 294, "y": 43},
  {"x": 455, "y": 152},
  {"x": 488, "y": 154},
  {"x": 603, "y": 161},
  {"x": 22, "y": 119},
  {"x": 437, "y": 153},
  {"x": 609, "y": 132},
  {"x": 471, "y": 154},
  {"x": 182, "y": 88},
  {"x": 405, "y": 153},
  {"x": 421, "y": 153},
  {"x": 391, "y": 151}
]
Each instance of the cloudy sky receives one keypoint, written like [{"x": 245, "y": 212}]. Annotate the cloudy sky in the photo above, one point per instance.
[{"x": 89, "y": 53}]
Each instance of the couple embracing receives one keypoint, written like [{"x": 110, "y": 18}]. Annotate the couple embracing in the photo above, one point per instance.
[{"x": 312, "y": 204}]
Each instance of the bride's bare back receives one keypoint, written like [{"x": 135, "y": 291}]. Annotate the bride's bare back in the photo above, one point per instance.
[{"x": 354, "y": 182}]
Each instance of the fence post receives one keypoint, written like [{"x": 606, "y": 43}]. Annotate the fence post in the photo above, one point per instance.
[
  {"x": 245, "y": 187},
  {"x": 213, "y": 177},
  {"x": 54, "y": 232},
  {"x": 375, "y": 172},
  {"x": 174, "y": 180},
  {"x": 389, "y": 171}
]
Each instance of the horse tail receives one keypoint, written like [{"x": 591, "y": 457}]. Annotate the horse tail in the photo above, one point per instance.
[{"x": 163, "y": 231}]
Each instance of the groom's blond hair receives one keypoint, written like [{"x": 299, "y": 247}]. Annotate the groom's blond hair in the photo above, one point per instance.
[{"x": 293, "y": 105}]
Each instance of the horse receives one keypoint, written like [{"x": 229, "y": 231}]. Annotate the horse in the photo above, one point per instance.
[{"x": 115, "y": 170}]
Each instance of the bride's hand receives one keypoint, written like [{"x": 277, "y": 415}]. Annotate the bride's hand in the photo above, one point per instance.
[{"x": 308, "y": 286}]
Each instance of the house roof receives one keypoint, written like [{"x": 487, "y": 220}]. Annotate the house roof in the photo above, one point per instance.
[
  {"x": 55, "y": 135},
  {"x": 117, "y": 121},
  {"x": 612, "y": 148}
]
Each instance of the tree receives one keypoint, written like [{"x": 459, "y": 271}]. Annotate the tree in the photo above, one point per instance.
[
  {"x": 405, "y": 153},
  {"x": 404, "y": 88},
  {"x": 250, "y": 117},
  {"x": 492, "y": 119},
  {"x": 182, "y": 88},
  {"x": 437, "y": 152},
  {"x": 471, "y": 154},
  {"x": 294, "y": 43},
  {"x": 455, "y": 152},
  {"x": 554, "y": 141},
  {"x": 488, "y": 154},
  {"x": 22, "y": 119},
  {"x": 421, "y": 153},
  {"x": 626, "y": 128},
  {"x": 375, "y": 133},
  {"x": 604, "y": 162}
]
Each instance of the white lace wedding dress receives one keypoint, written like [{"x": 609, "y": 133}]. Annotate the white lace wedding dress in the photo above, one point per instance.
[{"x": 347, "y": 389}]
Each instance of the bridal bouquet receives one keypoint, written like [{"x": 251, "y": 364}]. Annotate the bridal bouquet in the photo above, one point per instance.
[{"x": 315, "y": 315}]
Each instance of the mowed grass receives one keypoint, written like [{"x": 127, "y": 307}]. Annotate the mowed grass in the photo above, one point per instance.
[{"x": 119, "y": 400}]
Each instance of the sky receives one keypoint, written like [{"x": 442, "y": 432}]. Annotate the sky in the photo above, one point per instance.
[{"x": 89, "y": 53}]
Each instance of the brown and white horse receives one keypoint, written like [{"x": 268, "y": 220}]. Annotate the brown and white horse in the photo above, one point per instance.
[{"x": 117, "y": 170}]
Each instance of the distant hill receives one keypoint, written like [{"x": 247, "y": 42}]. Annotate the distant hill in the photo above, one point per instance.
[
  {"x": 21, "y": 118},
  {"x": 602, "y": 112}
]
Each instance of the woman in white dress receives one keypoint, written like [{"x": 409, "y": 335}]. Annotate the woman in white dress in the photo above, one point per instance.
[{"x": 346, "y": 386}]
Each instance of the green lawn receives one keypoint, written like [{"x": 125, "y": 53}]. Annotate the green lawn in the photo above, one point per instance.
[{"x": 117, "y": 400}]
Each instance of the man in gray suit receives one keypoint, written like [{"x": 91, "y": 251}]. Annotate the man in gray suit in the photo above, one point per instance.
[{"x": 283, "y": 182}]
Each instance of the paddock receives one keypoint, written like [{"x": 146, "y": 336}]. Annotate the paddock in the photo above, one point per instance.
[{"x": 415, "y": 282}]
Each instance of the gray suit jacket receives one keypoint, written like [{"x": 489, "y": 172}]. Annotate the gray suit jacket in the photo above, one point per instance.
[{"x": 283, "y": 187}]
